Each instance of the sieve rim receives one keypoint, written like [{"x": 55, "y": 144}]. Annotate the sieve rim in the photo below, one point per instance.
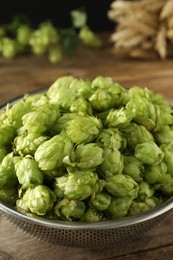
[{"x": 76, "y": 225}]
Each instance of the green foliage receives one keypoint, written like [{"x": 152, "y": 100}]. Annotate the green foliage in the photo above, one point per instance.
[{"x": 20, "y": 37}]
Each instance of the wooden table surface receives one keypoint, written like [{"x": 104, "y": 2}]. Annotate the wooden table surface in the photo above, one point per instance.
[{"x": 27, "y": 73}]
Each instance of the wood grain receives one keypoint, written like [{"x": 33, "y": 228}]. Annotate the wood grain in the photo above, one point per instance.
[{"x": 28, "y": 73}]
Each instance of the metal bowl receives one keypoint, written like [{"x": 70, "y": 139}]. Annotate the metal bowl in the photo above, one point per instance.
[{"x": 93, "y": 235}]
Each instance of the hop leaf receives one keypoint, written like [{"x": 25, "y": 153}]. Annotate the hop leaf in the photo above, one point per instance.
[{"x": 79, "y": 18}]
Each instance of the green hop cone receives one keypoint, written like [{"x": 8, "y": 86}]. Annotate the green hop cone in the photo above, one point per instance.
[
  {"x": 155, "y": 173},
  {"x": 10, "y": 48},
  {"x": 28, "y": 173},
  {"x": 138, "y": 207},
  {"x": 24, "y": 34},
  {"x": 119, "y": 117},
  {"x": 60, "y": 92},
  {"x": 163, "y": 111},
  {"x": 164, "y": 135},
  {"x": 48, "y": 33},
  {"x": 145, "y": 191},
  {"x": 81, "y": 106},
  {"x": 28, "y": 143},
  {"x": 107, "y": 94},
  {"x": 55, "y": 54},
  {"x": 166, "y": 186},
  {"x": 39, "y": 49},
  {"x": 119, "y": 207},
  {"x": 69, "y": 209},
  {"x": 167, "y": 149},
  {"x": 21, "y": 206},
  {"x": 87, "y": 156},
  {"x": 149, "y": 153},
  {"x": 39, "y": 200},
  {"x": 89, "y": 38},
  {"x": 92, "y": 215},
  {"x": 50, "y": 154},
  {"x": 151, "y": 109},
  {"x": 43, "y": 37},
  {"x": 100, "y": 201},
  {"x": 101, "y": 100},
  {"x": 133, "y": 167},
  {"x": 62, "y": 122},
  {"x": 113, "y": 162},
  {"x": 36, "y": 100},
  {"x": 78, "y": 185},
  {"x": 9, "y": 161},
  {"x": 82, "y": 88},
  {"x": 41, "y": 119},
  {"x": 16, "y": 112},
  {"x": 83, "y": 129},
  {"x": 136, "y": 134},
  {"x": 60, "y": 185},
  {"x": 122, "y": 185},
  {"x": 7, "y": 171},
  {"x": 79, "y": 18},
  {"x": 111, "y": 138},
  {"x": 102, "y": 82},
  {"x": 65, "y": 90},
  {"x": 140, "y": 102}
]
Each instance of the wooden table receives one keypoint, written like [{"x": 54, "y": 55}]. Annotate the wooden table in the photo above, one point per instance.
[{"x": 27, "y": 73}]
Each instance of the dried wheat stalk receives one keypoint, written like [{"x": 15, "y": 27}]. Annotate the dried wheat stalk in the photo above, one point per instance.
[{"x": 144, "y": 28}]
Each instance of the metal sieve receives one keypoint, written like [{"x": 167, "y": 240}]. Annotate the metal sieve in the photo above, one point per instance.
[
  {"x": 87, "y": 235},
  {"x": 93, "y": 235}
]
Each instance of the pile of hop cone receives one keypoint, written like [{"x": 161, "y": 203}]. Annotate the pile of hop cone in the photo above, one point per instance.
[{"x": 144, "y": 28}]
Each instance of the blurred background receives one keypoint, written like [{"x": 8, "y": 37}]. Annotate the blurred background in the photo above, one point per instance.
[{"x": 58, "y": 12}]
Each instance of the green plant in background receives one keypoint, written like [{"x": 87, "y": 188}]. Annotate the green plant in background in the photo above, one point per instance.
[{"x": 20, "y": 37}]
